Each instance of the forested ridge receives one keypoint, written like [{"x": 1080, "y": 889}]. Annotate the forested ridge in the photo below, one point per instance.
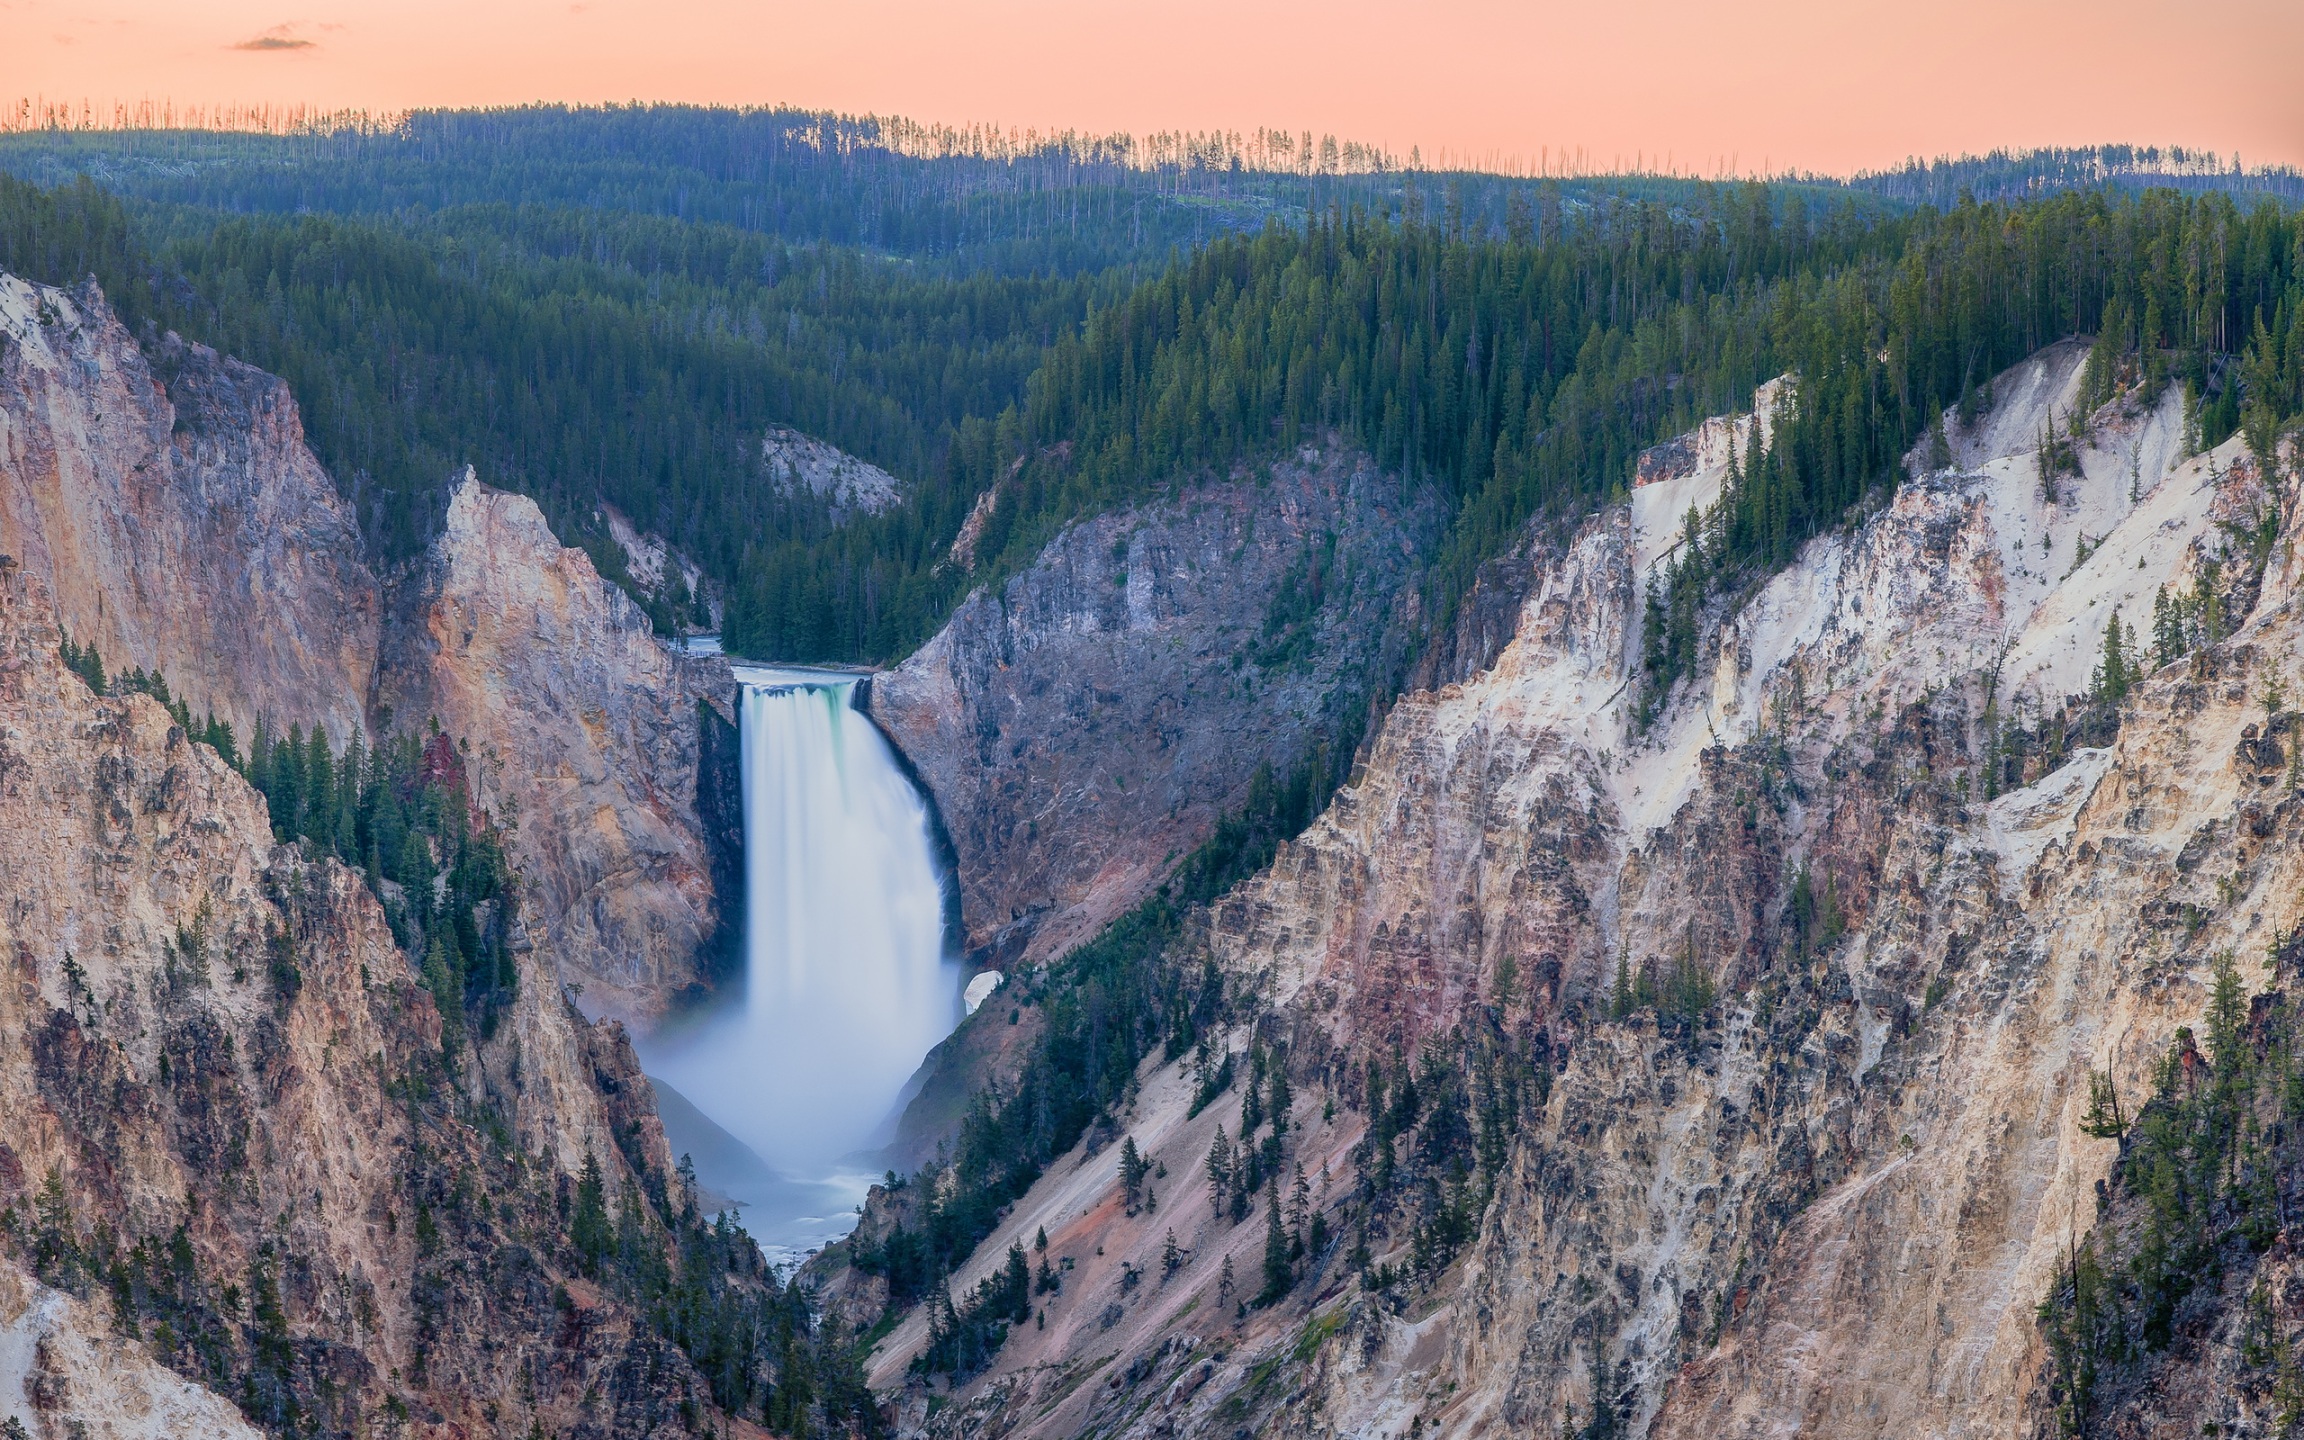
[
  {"x": 965, "y": 199},
  {"x": 1514, "y": 345}
]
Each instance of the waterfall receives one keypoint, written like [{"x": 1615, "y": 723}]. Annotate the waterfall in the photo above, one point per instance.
[{"x": 847, "y": 982}]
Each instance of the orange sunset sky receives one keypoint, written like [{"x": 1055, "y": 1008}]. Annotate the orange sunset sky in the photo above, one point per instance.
[{"x": 1829, "y": 85}]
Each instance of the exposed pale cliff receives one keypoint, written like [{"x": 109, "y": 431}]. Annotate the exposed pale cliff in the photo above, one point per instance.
[
  {"x": 585, "y": 724},
  {"x": 230, "y": 1107},
  {"x": 236, "y": 1105},
  {"x": 1757, "y": 1041},
  {"x": 173, "y": 509},
  {"x": 171, "y": 505}
]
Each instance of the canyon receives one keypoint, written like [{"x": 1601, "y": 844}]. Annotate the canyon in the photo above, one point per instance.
[
  {"x": 1085, "y": 723},
  {"x": 1717, "y": 1061},
  {"x": 1829, "y": 1201},
  {"x": 171, "y": 506}
]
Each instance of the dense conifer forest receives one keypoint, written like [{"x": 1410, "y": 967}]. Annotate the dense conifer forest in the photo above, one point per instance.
[{"x": 612, "y": 306}]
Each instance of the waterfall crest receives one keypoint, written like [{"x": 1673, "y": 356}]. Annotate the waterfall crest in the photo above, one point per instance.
[{"x": 847, "y": 983}]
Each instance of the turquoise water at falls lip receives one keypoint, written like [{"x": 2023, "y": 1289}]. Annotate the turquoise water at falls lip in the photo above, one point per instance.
[{"x": 784, "y": 1093}]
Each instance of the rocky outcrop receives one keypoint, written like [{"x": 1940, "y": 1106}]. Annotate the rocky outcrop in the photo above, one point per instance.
[
  {"x": 798, "y": 464},
  {"x": 1084, "y": 725},
  {"x": 1802, "y": 984},
  {"x": 172, "y": 508},
  {"x": 585, "y": 726},
  {"x": 170, "y": 505},
  {"x": 230, "y": 1108},
  {"x": 76, "y": 1374}
]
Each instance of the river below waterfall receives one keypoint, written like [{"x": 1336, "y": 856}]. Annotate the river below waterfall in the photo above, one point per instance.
[{"x": 784, "y": 1094}]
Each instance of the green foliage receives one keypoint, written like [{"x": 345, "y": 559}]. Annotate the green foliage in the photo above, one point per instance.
[
  {"x": 1683, "y": 992},
  {"x": 1279, "y": 1269},
  {"x": 2104, "y": 1119},
  {"x": 962, "y": 1339},
  {"x": 969, "y": 200},
  {"x": 83, "y": 662},
  {"x": 2205, "y": 1174},
  {"x": 1517, "y": 368},
  {"x": 584, "y": 358},
  {"x": 2117, "y": 668},
  {"x": 402, "y": 812},
  {"x": 1440, "y": 1132}
]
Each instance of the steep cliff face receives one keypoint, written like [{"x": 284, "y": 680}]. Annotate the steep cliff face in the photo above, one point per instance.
[
  {"x": 230, "y": 1110},
  {"x": 1084, "y": 726},
  {"x": 1788, "y": 1002},
  {"x": 585, "y": 725},
  {"x": 172, "y": 508}
]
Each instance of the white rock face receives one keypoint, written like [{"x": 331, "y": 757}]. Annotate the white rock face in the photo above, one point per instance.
[
  {"x": 583, "y": 726},
  {"x": 172, "y": 509},
  {"x": 1837, "y": 1215},
  {"x": 201, "y": 1028},
  {"x": 63, "y": 1372},
  {"x": 797, "y": 462}
]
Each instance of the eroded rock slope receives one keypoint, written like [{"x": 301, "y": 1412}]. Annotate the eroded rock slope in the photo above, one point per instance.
[
  {"x": 1083, "y": 726},
  {"x": 230, "y": 1110},
  {"x": 588, "y": 727},
  {"x": 172, "y": 508},
  {"x": 1749, "y": 1048}
]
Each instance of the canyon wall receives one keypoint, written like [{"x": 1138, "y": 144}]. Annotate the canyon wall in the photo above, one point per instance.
[
  {"x": 230, "y": 1105},
  {"x": 1802, "y": 983},
  {"x": 171, "y": 506},
  {"x": 235, "y": 1105},
  {"x": 1083, "y": 725},
  {"x": 585, "y": 726}
]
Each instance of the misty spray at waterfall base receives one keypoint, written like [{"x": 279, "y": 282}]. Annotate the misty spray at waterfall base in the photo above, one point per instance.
[{"x": 783, "y": 1093}]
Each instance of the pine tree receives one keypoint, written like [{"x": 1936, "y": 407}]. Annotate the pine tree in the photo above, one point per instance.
[
  {"x": 2167, "y": 628},
  {"x": 2104, "y": 1119},
  {"x": 1171, "y": 1259},
  {"x": 588, "y": 1228},
  {"x": 1602, "y": 1426},
  {"x": 1016, "y": 1285},
  {"x": 1219, "y": 1173},
  {"x": 2227, "y": 1019},
  {"x": 1278, "y": 1274},
  {"x": 1133, "y": 1168}
]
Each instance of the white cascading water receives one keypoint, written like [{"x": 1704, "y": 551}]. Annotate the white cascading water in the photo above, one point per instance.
[{"x": 847, "y": 982}]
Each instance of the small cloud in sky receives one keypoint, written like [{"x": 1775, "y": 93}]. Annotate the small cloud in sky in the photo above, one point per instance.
[{"x": 279, "y": 37}]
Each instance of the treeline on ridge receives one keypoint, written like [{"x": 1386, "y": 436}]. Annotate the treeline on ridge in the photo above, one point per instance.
[{"x": 1518, "y": 367}]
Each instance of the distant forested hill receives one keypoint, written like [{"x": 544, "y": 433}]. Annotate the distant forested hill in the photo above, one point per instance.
[
  {"x": 2024, "y": 174},
  {"x": 614, "y": 305},
  {"x": 980, "y": 201}
]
